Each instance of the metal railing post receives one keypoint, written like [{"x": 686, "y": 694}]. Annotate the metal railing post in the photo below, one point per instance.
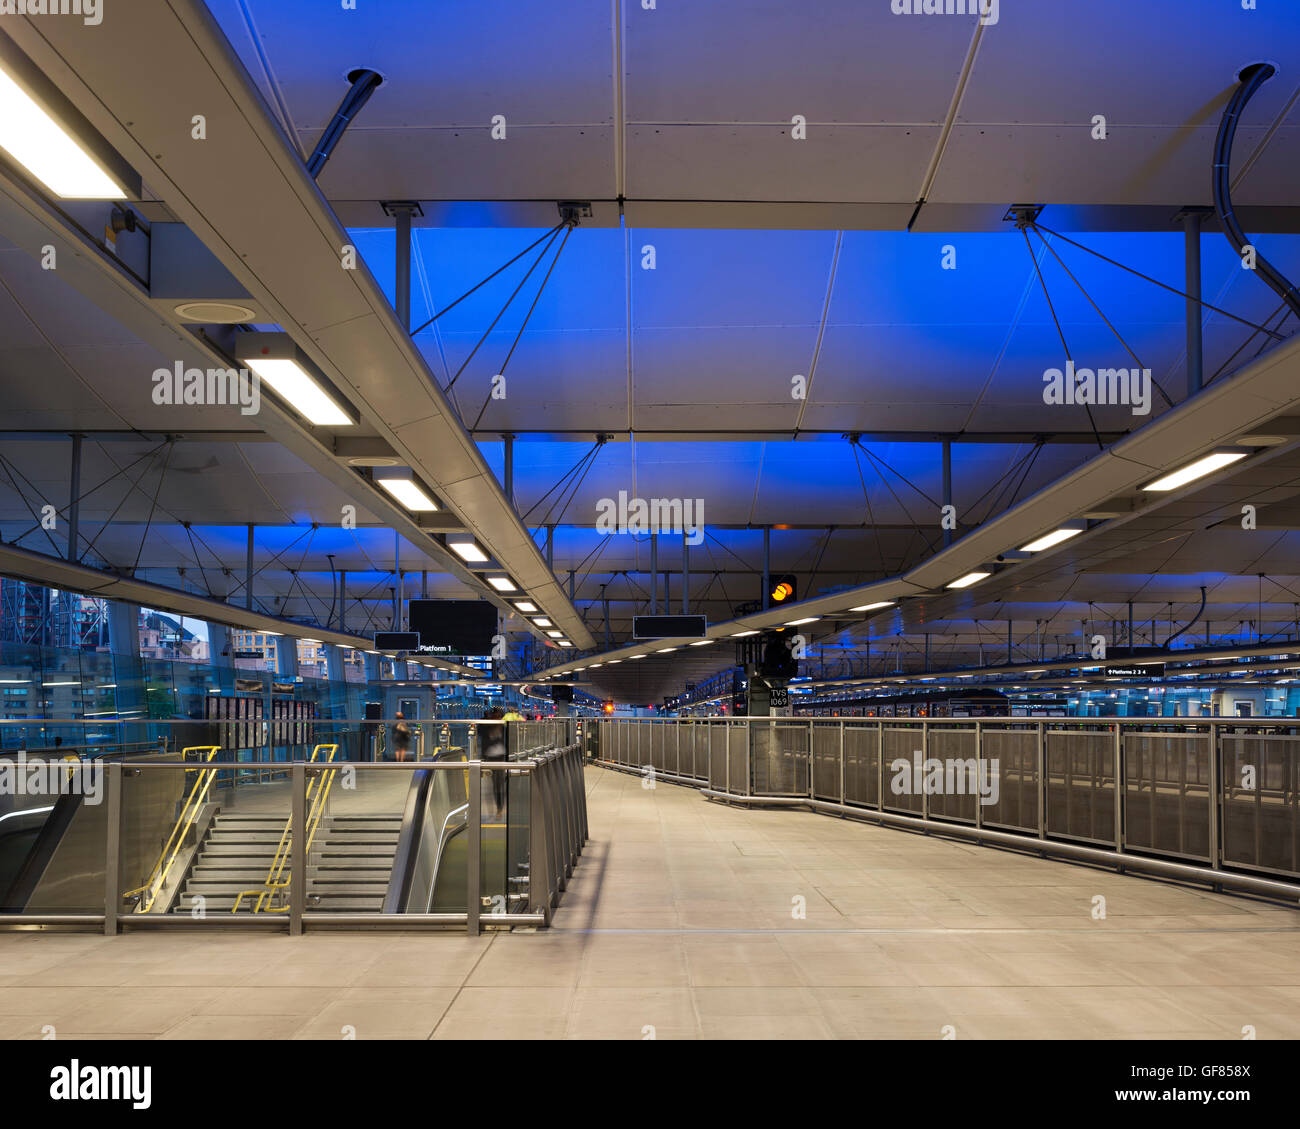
[
  {"x": 1216, "y": 798},
  {"x": 1042, "y": 780},
  {"x": 1119, "y": 787},
  {"x": 843, "y": 790},
  {"x": 474, "y": 850},
  {"x": 925, "y": 756},
  {"x": 112, "y": 847},
  {"x": 979, "y": 774},
  {"x": 298, "y": 847}
]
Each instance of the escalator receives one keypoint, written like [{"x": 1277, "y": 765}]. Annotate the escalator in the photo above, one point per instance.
[{"x": 430, "y": 871}]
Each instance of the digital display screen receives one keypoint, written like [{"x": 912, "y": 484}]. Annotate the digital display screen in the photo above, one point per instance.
[{"x": 453, "y": 627}]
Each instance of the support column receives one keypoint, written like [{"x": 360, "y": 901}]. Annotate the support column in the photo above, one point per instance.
[
  {"x": 286, "y": 656},
  {"x": 767, "y": 568},
  {"x": 221, "y": 646},
  {"x": 397, "y": 581},
  {"x": 947, "y": 485},
  {"x": 686, "y": 574},
  {"x": 1192, "y": 218},
  {"x": 248, "y": 571},
  {"x": 654, "y": 574},
  {"x": 74, "y": 499},
  {"x": 509, "y": 441},
  {"x": 334, "y": 668},
  {"x": 402, "y": 211}
]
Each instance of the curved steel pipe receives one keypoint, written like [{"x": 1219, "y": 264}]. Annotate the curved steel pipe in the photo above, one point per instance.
[
  {"x": 1252, "y": 78},
  {"x": 364, "y": 83}
]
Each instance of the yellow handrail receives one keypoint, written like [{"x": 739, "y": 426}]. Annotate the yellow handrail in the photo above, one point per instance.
[
  {"x": 176, "y": 840},
  {"x": 275, "y": 879}
]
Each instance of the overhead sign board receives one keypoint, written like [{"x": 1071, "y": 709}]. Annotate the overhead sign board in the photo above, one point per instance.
[
  {"x": 397, "y": 641},
  {"x": 669, "y": 626},
  {"x": 1133, "y": 670}
]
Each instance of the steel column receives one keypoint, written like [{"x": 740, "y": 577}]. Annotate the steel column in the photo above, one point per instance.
[
  {"x": 74, "y": 499},
  {"x": 947, "y": 485}
]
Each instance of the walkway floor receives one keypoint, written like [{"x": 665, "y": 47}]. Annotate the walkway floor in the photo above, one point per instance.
[{"x": 680, "y": 923}]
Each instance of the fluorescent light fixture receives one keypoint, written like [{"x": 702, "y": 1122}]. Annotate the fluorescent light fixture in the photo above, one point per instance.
[
  {"x": 969, "y": 579},
  {"x": 501, "y": 583},
  {"x": 801, "y": 622},
  {"x": 60, "y": 683},
  {"x": 556, "y": 634},
  {"x": 43, "y": 131},
  {"x": 542, "y": 621},
  {"x": 874, "y": 607},
  {"x": 564, "y": 643},
  {"x": 742, "y": 634},
  {"x": 526, "y": 606},
  {"x": 1053, "y": 538},
  {"x": 1207, "y": 464},
  {"x": 467, "y": 549},
  {"x": 665, "y": 650},
  {"x": 631, "y": 657},
  {"x": 613, "y": 662},
  {"x": 408, "y": 492},
  {"x": 703, "y": 642},
  {"x": 277, "y": 360}
]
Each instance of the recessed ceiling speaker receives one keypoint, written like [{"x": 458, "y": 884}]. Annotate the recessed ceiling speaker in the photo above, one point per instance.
[{"x": 215, "y": 313}]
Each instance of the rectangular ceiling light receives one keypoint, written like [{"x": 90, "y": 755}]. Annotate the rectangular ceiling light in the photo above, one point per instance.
[
  {"x": 703, "y": 643},
  {"x": 563, "y": 642},
  {"x": 501, "y": 583},
  {"x": 742, "y": 634},
  {"x": 43, "y": 131},
  {"x": 409, "y": 493},
  {"x": 291, "y": 382},
  {"x": 277, "y": 360},
  {"x": 1207, "y": 464},
  {"x": 665, "y": 650},
  {"x": 526, "y": 606},
  {"x": 467, "y": 549},
  {"x": 542, "y": 621},
  {"x": 556, "y": 634},
  {"x": 874, "y": 607},
  {"x": 969, "y": 579},
  {"x": 1053, "y": 538},
  {"x": 801, "y": 622}
]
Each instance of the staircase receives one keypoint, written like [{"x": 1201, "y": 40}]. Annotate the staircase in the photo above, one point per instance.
[{"x": 349, "y": 868}]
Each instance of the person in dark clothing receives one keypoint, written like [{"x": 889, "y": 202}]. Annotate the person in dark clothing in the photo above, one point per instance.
[
  {"x": 492, "y": 747},
  {"x": 401, "y": 739}
]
